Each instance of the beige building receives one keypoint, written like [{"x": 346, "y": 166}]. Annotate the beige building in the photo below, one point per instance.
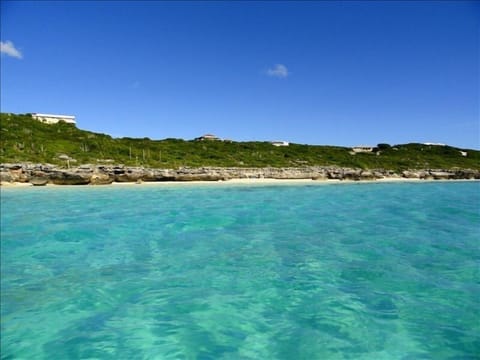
[
  {"x": 53, "y": 119},
  {"x": 207, "y": 137}
]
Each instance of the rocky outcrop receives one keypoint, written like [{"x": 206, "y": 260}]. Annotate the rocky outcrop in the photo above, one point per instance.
[
  {"x": 69, "y": 178},
  {"x": 442, "y": 175},
  {"x": 39, "y": 180},
  {"x": 6, "y": 176},
  {"x": 100, "y": 178},
  {"x": 128, "y": 174},
  {"x": 40, "y": 174}
]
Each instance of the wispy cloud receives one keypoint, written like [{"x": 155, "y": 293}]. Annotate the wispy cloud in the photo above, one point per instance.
[
  {"x": 279, "y": 71},
  {"x": 9, "y": 49}
]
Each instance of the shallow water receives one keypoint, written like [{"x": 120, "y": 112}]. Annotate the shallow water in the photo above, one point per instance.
[{"x": 357, "y": 271}]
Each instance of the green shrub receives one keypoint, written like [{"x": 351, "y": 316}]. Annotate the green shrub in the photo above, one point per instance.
[{"x": 24, "y": 139}]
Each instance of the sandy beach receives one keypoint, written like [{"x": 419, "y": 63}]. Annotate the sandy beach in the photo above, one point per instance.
[{"x": 234, "y": 182}]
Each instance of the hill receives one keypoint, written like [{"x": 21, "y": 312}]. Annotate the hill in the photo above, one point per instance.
[{"x": 24, "y": 139}]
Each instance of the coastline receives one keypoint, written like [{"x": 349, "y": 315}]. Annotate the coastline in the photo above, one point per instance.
[{"x": 247, "y": 182}]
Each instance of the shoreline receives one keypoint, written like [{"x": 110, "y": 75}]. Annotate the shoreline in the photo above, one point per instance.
[{"x": 266, "y": 182}]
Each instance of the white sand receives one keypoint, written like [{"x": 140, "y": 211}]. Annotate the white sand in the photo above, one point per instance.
[{"x": 234, "y": 182}]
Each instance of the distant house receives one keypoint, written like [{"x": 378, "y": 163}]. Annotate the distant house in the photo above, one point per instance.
[
  {"x": 53, "y": 119},
  {"x": 207, "y": 137},
  {"x": 280, "y": 143},
  {"x": 362, "y": 148},
  {"x": 435, "y": 144}
]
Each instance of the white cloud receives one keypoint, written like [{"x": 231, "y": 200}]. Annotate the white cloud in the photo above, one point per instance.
[
  {"x": 9, "y": 49},
  {"x": 279, "y": 71}
]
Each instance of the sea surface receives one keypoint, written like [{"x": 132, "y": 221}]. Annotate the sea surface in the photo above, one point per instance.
[{"x": 342, "y": 271}]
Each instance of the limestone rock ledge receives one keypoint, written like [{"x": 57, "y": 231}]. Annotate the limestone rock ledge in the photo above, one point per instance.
[{"x": 40, "y": 174}]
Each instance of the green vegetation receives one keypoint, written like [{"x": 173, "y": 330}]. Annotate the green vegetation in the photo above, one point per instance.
[{"x": 24, "y": 139}]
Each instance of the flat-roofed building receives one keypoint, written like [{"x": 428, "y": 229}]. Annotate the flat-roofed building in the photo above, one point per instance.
[
  {"x": 53, "y": 119},
  {"x": 207, "y": 137},
  {"x": 362, "y": 148}
]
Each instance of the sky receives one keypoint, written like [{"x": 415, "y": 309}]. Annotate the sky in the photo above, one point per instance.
[{"x": 311, "y": 72}]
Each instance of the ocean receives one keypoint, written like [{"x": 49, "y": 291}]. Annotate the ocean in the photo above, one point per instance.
[{"x": 222, "y": 271}]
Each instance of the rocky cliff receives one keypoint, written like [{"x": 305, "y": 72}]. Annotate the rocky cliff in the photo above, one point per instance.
[{"x": 41, "y": 174}]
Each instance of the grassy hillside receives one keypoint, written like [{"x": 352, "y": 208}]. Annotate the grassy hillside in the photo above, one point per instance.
[{"x": 25, "y": 139}]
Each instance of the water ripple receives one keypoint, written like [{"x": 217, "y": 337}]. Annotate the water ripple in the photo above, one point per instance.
[{"x": 370, "y": 271}]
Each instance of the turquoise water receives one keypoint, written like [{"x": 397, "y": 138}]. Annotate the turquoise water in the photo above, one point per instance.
[{"x": 347, "y": 271}]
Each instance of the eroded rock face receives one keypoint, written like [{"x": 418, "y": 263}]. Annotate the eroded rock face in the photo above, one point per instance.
[
  {"x": 129, "y": 175},
  {"x": 39, "y": 180},
  {"x": 468, "y": 174},
  {"x": 367, "y": 175},
  {"x": 442, "y": 175},
  {"x": 18, "y": 175},
  {"x": 198, "y": 177},
  {"x": 410, "y": 174},
  {"x": 6, "y": 176},
  {"x": 69, "y": 178},
  {"x": 99, "y": 178},
  {"x": 104, "y": 174}
]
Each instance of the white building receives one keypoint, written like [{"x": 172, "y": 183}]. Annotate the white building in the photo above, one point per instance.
[
  {"x": 362, "y": 148},
  {"x": 280, "y": 143},
  {"x": 53, "y": 119},
  {"x": 434, "y": 144}
]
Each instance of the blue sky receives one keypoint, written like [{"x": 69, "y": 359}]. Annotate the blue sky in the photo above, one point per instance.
[{"x": 313, "y": 72}]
